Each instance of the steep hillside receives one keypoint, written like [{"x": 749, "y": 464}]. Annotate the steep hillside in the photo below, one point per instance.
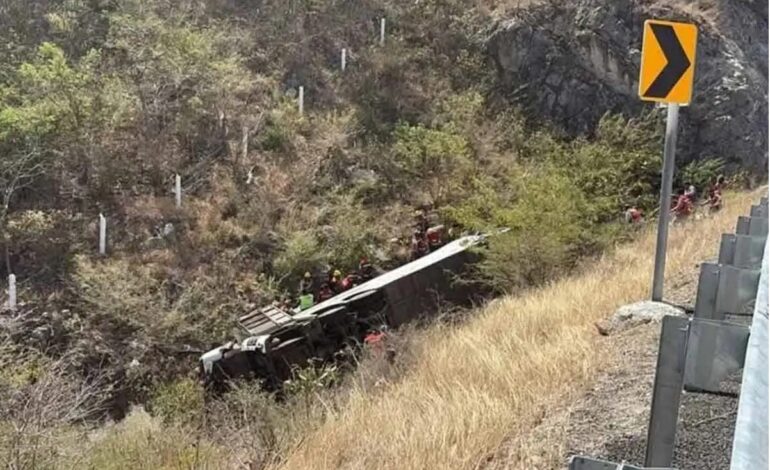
[
  {"x": 469, "y": 395},
  {"x": 103, "y": 102},
  {"x": 492, "y": 380}
]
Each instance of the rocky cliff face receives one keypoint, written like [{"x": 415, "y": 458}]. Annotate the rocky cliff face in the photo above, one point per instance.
[{"x": 571, "y": 62}]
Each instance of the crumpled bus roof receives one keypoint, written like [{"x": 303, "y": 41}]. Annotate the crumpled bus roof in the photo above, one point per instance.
[{"x": 270, "y": 319}]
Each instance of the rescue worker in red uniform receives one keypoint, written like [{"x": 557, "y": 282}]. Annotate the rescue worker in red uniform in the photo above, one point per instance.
[
  {"x": 633, "y": 215},
  {"x": 365, "y": 270},
  {"x": 420, "y": 245},
  {"x": 683, "y": 207},
  {"x": 421, "y": 221},
  {"x": 715, "y": 194},
  {"x": 376, "y": 340},
  {"x": 324, "y": 293},
  {"x": 335, "y": 281},
  {"x": 348, "y": 282},
  {"x": 433, "y": 236}
]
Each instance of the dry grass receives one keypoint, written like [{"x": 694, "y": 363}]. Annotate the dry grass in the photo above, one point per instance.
[
  {"x": 475, "y": 385},
  {"x": 141, "y": 441}
]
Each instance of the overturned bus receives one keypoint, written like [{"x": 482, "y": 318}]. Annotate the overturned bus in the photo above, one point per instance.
[{"x": 279, "y": 340}]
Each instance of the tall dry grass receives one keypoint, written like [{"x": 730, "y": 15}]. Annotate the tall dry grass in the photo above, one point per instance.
[{"x": 475, "y": 385}]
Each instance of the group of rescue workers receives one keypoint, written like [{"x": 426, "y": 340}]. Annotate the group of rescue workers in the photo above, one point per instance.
[
  {"x": 312, "y": 292},
  {"x": 424, "y": 240},
  {"x": 684, "y": 204}
]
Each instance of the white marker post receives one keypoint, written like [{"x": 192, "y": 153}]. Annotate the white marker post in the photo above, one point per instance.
[
  {"x": 301, "y": 100},
  {"x": 12, "y": 291},
  {"x": 178, "y": 190},
  {"x": 669, "y": 149},
  {"x": 382, "y": 31},
  {"x": 343, "y": 57},
  {"x": 102, "y": 235}
]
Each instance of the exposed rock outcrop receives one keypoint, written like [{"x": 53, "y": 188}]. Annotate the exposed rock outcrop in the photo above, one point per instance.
[
  {"x": 571, "y": 62},
  {"x": 639, "y": 313}
]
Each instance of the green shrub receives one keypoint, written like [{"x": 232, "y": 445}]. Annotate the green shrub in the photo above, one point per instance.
[
  {"x": 282, "y": 127},
  {"x": 437, "y": 160},
  {"x": 39, "y": 245},
  {"x": 119, "y": 290},
  {"x": 180, "y": 401},
  {"x": 352, "y": 232},
  {"x": 701, "y": 174},
  {"x": 546, "y": 214},
  {"x": 301, "y": 252},
  {"x": 311, "y": 379}
]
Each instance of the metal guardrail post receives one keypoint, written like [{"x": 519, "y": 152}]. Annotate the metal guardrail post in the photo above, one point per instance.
[
  {"x": 667, "y": 392},
  {"x": 715, "y": 349},
  {"x": 578, "y": 462},
  {"x": 759, "y": 210},
  {"x": 751, "y": 434},
  {"x": 751, "y": 226},
  {"x": 708, "y": 284},
  {"x": 737, "y": 291},
  {"x": 742, "y": 251}
]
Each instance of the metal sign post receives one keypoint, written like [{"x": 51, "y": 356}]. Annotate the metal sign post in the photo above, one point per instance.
[
  {"x": 669, "y": 150},
  {"x": 666, "y": 76}
]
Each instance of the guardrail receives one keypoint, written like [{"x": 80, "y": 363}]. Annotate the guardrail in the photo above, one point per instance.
[
  {"x": 750, "y": 439},
  {"x": 696, "y": 354}
]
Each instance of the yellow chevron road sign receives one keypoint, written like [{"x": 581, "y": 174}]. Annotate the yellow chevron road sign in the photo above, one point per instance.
[{"x": 668, "y": 61}]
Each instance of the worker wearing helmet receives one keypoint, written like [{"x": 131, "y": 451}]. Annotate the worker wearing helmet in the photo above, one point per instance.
[
  {"x": 421, "y": 221},
  {"x": 633, "y": 215},
  {"x": 306, "y": 284},
  {"x": 365, "y": 269}
]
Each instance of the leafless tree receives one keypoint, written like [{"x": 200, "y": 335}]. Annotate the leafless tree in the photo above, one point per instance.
[
  {"x": 36, "y": 409},
  {"x": 16, "y": 172}
]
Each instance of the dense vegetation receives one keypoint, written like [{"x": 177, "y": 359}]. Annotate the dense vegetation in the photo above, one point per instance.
[{"x": 102, "y": 102}]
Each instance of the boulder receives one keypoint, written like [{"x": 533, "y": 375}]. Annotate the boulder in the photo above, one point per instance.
[{"x": 639, "y": 313}]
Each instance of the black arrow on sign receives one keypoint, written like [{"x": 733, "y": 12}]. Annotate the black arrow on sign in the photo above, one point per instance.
[{"x": 677, "y": 65}]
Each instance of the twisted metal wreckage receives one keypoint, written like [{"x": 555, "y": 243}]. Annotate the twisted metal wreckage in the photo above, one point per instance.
[{"x": 280, "y": 340}]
